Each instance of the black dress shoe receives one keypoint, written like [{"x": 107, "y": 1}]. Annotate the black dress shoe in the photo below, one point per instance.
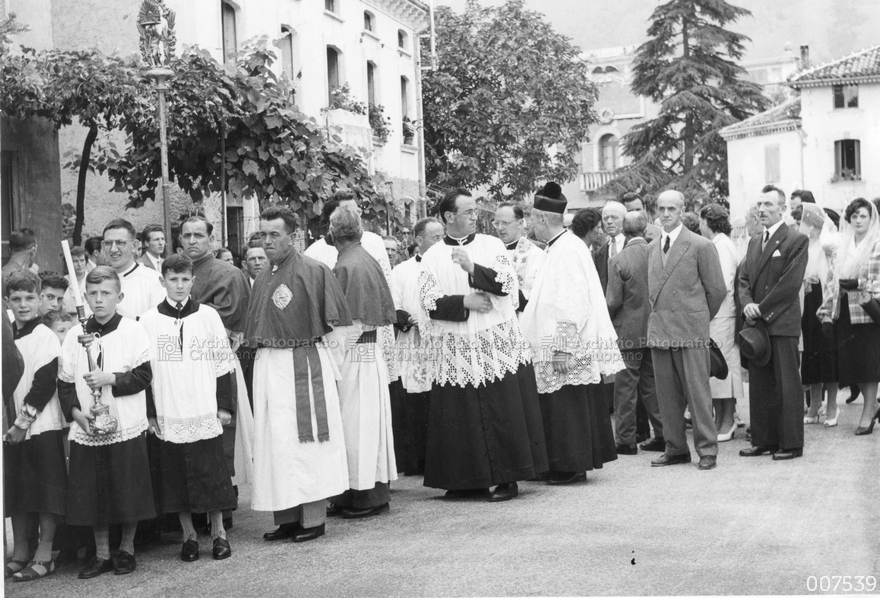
[
  {"x": 627, "y": 449},
  {"x": 284, "y": 531},
  {"x": 642, "y": 437},
  {"x": 664, "y": 460},
  {"x": 334, "y": 510},
  {"x": 190, "y": 551},
  {"x": 368, "y": 512},
  {"x": 504, "y": 492},
  {"x": 541, "y": 477},
  {"x": 757, "y": 451},
  {"x": 304, "y": 534},
  {"x": 221, "y": 549},
  {"x": 125, "y": 563},
  {"x": 786, "y": 454},
  {"x": 655, "y": 445},
  {"x": 96, "y": 567},
  {"x": 466, "y": 493},
  {"x": 567, "y": 477},
  {"x": 707, "y": 462}
]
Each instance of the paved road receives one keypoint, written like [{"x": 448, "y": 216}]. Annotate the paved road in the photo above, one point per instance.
[{"x": 752, "y": 526}]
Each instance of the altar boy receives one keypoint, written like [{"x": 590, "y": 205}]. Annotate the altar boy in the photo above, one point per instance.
[
  {"x": 109, "y": 478},
  {"x": 35, "y": 478},
  {"x": 193, "y": 397}
]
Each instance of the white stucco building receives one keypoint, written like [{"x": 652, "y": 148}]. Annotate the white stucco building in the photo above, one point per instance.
[
  {"x": 826, "y": 139},
  {"x": 370, "y": 45}
]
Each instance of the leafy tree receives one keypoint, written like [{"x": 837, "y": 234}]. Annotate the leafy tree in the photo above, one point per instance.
[
  {"x": 507, "y": 91},
  {"x": 271, "y": 149},
  {"x": 688, "y": 67}
]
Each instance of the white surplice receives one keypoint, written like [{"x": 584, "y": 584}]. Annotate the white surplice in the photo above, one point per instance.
[
  {"x": 142, "y": 290},
  {"x": 526, "y": 258},
  {"x": 411, "y": 353},
  {"x": 567, "y": 312}
]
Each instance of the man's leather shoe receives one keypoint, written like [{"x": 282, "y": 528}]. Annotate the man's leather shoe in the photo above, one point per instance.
[
  {"x": 504, "y": 492},
  {"x": 642, "y": 437},
  {"x": 284, "y": 531},
  {"x": 757, "y": 451},
  {"x": 368, "y": 512},
  {"x": 222, "y": 550},
  {"x": 125, "y": 563},
  {"x": 334, "y": 510},
  {"x": 656, "y": 445},
  {"x": 96, "y": 567},
  {"x": 786, "y": 454},
  {"x": 567, "y": 477},
  {"x": 627, "y": 449},
  {"x": 708, "y": 462},
  {"x": 664, "y": 460},
  {"x": 304, "y": 534},
  {"x": 190, "y": 551}
]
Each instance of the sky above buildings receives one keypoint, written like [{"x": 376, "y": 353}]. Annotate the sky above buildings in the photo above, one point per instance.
[{"x": 832, "y": 28}]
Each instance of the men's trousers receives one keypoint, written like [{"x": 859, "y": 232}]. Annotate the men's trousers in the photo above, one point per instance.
[
  {"x": 682, "y": 380},
  {"x": 633, "y": 383},
  {"x": 776, "y": 397}
]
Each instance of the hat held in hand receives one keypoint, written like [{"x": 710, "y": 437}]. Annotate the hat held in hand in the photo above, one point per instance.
[{"x": 754, "y": 343}]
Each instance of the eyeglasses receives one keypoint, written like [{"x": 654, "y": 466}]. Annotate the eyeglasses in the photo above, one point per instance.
[
  {"x": 110, "y": 244},
  {"x": 467, "y": 213},
  {"x": 500, "y": 223}
]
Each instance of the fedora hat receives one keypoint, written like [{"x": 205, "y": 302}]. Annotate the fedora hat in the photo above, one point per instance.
[
  {"x": 754, "y": 343},
  {"x": 718, "y": 364}
]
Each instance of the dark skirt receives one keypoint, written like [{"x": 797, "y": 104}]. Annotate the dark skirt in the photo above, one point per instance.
[
  {"x": 858, "y": 348},
  {"x": 110, "y": 484},
  {"x": 195, "y": 477},
  {"x": 578, "y": 428},
  {"x": 399, "y": 424},
  {"x": 35, "y": 475},
  {"x": 819, "y": 362},
  {"x": 415, "y": 434},
  {"x": 487, "y": 435}
]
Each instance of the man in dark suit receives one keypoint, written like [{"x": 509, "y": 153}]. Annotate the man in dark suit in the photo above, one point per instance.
[
  {"x": 686, "y": 289},
  {"x": 629, "y": 308},
  {"x": 612, "y": 223},
  {"x": 769, "y": 286}
]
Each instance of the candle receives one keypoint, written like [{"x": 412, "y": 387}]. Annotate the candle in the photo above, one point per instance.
[{"x": 74, "y": 283}]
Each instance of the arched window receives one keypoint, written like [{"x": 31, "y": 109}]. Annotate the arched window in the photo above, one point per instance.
[
  {"x": 229, "y": 33},
  {"x": 332, "y": 72},
  {"x": 610, "y": 69},
  {"x": 368, "y": 21},
  {"x": 371, "y": 82},
  {"x": 401, "y": 39},
  {"x": 608, "y": 152},
  {"x": 598, "y": 70}
]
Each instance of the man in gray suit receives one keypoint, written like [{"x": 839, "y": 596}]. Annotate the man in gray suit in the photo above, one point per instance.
[
  {"x": 686, "y": 288},
  {"x": 629, "y": 308}
]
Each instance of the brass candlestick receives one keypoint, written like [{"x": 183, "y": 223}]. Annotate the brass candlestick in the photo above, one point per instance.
[{"x": 102, "y": 422}]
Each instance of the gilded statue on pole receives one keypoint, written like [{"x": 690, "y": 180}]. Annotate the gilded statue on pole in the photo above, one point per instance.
[{"x": 155, "y": 23}]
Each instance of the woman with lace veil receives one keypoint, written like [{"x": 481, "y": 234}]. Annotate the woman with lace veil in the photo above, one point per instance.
[
  {"x": 819, "y": 364},
  {"x": 858, "y": 336}
]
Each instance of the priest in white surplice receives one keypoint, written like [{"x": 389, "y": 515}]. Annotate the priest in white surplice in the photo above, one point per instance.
[
  {"x": 411, "y": 352},
  {"x": 363, "y": 387},
  {"x": 299, "y": 449},
  {"x": 484, "y": 427},
  {"x": 525, "y": 256},
  {"x": 573, "y": 342}
]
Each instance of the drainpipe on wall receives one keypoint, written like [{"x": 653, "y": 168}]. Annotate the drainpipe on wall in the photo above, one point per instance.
[{"x": 420, "y": 129}]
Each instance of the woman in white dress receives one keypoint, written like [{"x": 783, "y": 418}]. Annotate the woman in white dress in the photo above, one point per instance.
[{"x": 715, "y": 226}]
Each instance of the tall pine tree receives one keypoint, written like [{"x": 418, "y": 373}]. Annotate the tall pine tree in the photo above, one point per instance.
[{"x": 688, "y": 67}]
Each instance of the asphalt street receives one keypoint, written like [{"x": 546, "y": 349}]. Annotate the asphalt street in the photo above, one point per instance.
[{"x": 752, "y": 526}]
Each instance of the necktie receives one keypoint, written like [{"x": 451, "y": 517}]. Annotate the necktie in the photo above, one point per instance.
[
  {"x": 613, "y": 249},
  {"x": 666, "y": 245},
  {"x": 766, "y": 239}
]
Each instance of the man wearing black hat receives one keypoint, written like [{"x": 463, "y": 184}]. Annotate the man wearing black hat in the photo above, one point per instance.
[
  {"x": 769, "y": 284},
  {"x": 573, "y": 344}
]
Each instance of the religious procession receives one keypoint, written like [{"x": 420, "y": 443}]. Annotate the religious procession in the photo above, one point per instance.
[{"x": 287, "y": 331}]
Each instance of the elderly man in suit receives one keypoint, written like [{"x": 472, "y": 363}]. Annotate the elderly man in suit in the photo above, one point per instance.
[
  {"x": 612, "y": 223},
  {"x": 629, "y": 308},
  {"x": 769, "y": 284},
  {"x": 686, "y": 288}
]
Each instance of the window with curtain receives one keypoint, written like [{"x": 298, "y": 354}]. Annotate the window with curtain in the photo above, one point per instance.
[{"x": 608, "y": 152}]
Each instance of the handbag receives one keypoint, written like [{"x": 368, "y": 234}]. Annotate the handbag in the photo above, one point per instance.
[
  {"x": 872, "y": 308},
  {"x": 718, "y": 365}
]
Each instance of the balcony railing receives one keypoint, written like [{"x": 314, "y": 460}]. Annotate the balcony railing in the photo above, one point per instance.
[{"x": 590, "y": 181}]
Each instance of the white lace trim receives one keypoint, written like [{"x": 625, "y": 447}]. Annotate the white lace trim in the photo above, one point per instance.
[
  {"x": 586, "y": 365},
  {"x": 77, "y": 435},
  {"x": 506, "y": 277},
  {"x": 484, "y": 357},
  {"x": 180, "y": 430}
]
